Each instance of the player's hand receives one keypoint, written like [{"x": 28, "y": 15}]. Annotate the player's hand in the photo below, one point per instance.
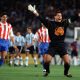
[{"x": 33, "y": 9}]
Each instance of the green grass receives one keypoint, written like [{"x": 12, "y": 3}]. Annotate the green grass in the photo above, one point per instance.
[{"x": 32, "y": 73}]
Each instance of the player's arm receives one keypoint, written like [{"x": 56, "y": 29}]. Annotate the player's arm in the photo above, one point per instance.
[
  {"x": 15, "y": 47},
  {"x": 72, "y": 19},
  {"x": 36, "y": 36},
  {"x": 45, "y": 21},
  {"x": 11, "y": 35}
]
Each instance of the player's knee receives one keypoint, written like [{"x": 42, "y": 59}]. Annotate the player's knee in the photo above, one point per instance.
[
  {"x": 47, "y": 58},
  {"x": 66, "y": 62},
  {"x": 66, "y": 59}
]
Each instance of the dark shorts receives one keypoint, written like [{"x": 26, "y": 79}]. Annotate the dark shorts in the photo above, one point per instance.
[
  {"x": 36, "y": 50},
  {"x": 11, "y": 50},
  {"x": 57, "y": 48},
  {"x": 30, "y": 49},
  {"x": 20, "y": 48}
]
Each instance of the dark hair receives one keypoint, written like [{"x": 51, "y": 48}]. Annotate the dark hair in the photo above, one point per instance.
[
  {"x": 3, "y": 13},
  {"x": 57, "y": 11},
  {"x": 29, "y": 28}
]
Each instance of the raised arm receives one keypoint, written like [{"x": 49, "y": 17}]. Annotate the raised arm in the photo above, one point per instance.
[{"x": 45, "y": 21}]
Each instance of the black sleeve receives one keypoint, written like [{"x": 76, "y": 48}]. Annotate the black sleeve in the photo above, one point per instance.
[
  {"x": 66, "y": 22},
  {"x": 71, "y": 19},
  {"x": 45, "y": 21}
]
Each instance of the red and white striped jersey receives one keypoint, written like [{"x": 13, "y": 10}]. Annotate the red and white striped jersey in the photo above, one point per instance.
[
  {"x": 5, "y": 30},
  {"x": 42, "y": 35}
]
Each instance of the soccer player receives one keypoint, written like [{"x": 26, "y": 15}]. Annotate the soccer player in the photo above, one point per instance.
[
  {"x": 19, "y": 41},
  {"x": 57, "y": 32},
  {"x": 30, "y": 46},
  {"x": 6, "y": 32},
  {"x": 43, "y": 39},
  {"x": 12, "y": 49}
]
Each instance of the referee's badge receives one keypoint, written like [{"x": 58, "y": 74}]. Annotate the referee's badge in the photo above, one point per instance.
[{"x": 59, "y": 31}]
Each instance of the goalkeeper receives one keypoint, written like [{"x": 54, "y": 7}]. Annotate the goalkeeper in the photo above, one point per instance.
[{"x": 57, "y": 31}]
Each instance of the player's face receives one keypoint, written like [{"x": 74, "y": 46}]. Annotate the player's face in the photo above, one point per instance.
[
  {"x": 29, "y": 30},
  {"x": 18, "y": 33},
  {"x": 43, "y": 25},
  {"x": 58, "y": 17},
  {"x": 4, "y": 18}
]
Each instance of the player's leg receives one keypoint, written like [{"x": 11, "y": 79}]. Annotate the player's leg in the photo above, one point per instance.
[
  {"x": 3, "y": 55},
  {"x": 11, "y": 55},
  {"x": 20, "y": 56},
  {"x": 63, "y": 53},
  {"x": 35, "y": 60},
  {"x": 10, "y": 59},
  {"x": 3, "y": 50},
  {"x": 33, "y": 55},
  {"x": 20, "y": 60},
  {"x": 26, "y": 60},
  {"x": 42, "y": 49},
  {"x": 16, "y": 59},
  {"x": 47, "y": 59},
  {"x": 66, "y": 65},
  {"x": 41, "y": 53},
  {"x": 0, "y": 59},
  {"x": 42, "y": 63}
]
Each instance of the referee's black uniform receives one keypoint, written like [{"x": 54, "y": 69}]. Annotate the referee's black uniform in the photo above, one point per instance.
[{"x": 57, "y": 45}]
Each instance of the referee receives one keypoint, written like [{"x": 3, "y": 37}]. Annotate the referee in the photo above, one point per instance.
[{"x": 57, "y": 31}]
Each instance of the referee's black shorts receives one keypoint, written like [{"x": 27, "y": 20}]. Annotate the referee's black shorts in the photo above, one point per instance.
[{"x": 57, "y": 48}]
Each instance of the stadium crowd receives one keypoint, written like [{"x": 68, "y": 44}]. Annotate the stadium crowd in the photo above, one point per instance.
[{"x": 19, "y": 16}]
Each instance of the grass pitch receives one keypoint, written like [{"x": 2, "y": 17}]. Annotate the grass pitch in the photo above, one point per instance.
[{"x": 35, "y": 73}]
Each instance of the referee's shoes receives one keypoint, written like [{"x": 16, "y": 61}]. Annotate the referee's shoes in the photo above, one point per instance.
[{"x": 68, "y": 75}]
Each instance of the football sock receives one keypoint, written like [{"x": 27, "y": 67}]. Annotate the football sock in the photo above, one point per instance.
[
  {"x": 46, "y": 66},
  {"x": 21, "y": 61},
  {"x": 35, "y": 61},
  {"x": 66, "y": 68},
  {"x": 26, "y": 61},
  {"x": 11, "y": 61}
]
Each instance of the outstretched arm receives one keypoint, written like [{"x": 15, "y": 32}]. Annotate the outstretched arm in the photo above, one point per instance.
[{"x": 45, "y": 21}]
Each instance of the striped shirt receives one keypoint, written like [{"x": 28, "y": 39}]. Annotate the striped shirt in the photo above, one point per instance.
[
  {"x": 5, "y": 31},
  {"x": 19, "y": 40},
  {"x": 42, "y": 35},
  {"x": 29, "y": 38}
]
